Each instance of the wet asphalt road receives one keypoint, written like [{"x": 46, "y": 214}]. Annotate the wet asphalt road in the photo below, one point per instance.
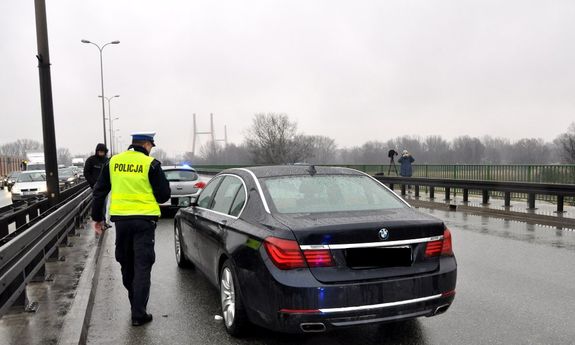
[{"x": 515, "y": 286}]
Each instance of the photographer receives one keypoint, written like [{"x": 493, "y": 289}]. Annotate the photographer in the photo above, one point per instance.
[{"x": 406, "y": 170}]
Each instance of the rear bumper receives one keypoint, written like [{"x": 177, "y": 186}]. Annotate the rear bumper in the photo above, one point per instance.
[
  {"x": 173, "y": 202},
  {"x": 404, "y": 310},
  {"x": 296, "y": 297}
]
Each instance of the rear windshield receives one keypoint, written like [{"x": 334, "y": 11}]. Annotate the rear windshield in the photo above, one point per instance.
[
  {"x": 67, "y": 172},
  {"x": 32, "y": 177},
  {"x": 329, "y": 193},
  {"x": 181, "y": 175}
]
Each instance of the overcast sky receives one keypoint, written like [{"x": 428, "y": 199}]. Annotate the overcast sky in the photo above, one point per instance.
[{"x": 351, "y": 70}]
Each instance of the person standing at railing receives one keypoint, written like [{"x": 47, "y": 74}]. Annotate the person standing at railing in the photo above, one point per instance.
[
  {"x": 93, "y": 169},
  {"x": 405, "y": 169},
  {"x": 137, "y": 185}
]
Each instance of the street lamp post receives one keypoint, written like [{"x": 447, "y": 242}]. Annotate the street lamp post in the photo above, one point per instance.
[
  {"x": 113, "y": 135},
  {"x": 119, "y": 142},
  {"x": 109, "y": 99},
  {"x": 116, "y": 138},
  {"x": 102, "y": 81}
]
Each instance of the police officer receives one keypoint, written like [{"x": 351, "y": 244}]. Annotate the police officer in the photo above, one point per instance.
[{"x": 137, "y": 184}]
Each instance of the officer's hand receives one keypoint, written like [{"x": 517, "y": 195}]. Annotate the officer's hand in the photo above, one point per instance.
[{"x": 99, "y": 227}]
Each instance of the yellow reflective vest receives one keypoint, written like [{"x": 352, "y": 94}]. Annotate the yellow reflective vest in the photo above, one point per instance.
[{"x": 132, "y": 193}]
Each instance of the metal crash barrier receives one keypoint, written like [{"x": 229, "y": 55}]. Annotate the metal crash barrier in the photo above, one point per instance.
[
  {"x": 24, "y": 252},
  {"x": 486, "y": 188}
]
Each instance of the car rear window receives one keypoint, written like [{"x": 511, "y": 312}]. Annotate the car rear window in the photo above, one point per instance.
[
  {"x": 181, "y": 175},
  {"x": 329, "y": 193}
]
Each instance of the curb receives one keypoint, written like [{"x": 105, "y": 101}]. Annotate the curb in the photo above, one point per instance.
[{"x": 75, "y": 327}]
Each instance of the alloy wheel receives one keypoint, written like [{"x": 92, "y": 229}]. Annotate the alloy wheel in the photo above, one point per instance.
[
  {"x": 227, "y": 292},
  {"x": 177, "y": 244}
]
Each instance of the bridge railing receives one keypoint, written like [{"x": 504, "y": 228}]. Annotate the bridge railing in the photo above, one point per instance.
[
  {"x": 482, "y": 177},
  {"x": 23, "y": 253},
  {"x": 485, "y": 188},
  {"x": 541, "y": 173}
]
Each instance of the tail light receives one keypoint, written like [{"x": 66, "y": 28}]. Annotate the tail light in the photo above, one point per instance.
[
  {"x": 286, "y": 255},
  {"x": 318, "y": 258},
  {"x": 200, "y": 185},
  {"x": 441, "y": 247},
  {"x": 447, "y": 249}
]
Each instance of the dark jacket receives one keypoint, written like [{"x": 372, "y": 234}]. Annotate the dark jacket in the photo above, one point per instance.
[
  {"x": 94, "y": 165},
  {"x": 405, "y": 162},
  {"x": 160, "y": 187}
]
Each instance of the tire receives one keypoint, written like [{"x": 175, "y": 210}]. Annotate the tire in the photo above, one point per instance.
[
  {"x": 181, "y": 258},
  {"x": 233, "y": 311}
]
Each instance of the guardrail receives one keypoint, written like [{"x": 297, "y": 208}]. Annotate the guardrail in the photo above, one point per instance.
[
  {"x": 25, "y": 212},
  {"x": 23, "y": 253},
  {"x": 559, "y": 191}
]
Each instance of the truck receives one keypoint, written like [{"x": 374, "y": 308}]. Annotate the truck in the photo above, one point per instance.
[
  {"x": 35, "y": 161},
  {"x": 78, "y": 162}
]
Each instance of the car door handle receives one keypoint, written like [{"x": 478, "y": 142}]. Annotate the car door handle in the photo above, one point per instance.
[{"x": 222, "y": 223}]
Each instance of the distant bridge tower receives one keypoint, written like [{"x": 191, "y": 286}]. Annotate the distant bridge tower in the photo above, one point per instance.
[
  {"x": 211, "y": 133},
  {"x": 225, "y": 139}
]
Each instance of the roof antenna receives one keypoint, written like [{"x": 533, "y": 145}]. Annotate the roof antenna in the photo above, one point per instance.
[{"x": 311, "y": 170}]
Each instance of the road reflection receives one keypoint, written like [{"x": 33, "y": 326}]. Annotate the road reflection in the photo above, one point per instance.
[{"x": 531, "y": 233}]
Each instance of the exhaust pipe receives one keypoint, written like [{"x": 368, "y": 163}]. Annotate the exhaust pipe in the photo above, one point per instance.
[
  {"x": 441, "y": 309},
  {"x": 312, "y": 327}
]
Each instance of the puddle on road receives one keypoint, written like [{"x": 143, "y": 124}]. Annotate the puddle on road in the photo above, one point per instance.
[{"x": 510, "y": 229}]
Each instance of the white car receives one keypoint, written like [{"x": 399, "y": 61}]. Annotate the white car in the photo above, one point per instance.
[
  {"x": 29, "y": 184},
  {"x": 185, "y": 183}
]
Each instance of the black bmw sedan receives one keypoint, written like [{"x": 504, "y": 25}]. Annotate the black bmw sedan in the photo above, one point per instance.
[{"x": 309, "y": 249}]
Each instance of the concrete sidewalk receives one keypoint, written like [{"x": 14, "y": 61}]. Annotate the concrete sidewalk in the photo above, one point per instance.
[{"x": 55, "y": 297}]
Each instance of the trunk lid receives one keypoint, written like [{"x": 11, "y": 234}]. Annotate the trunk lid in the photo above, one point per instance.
[{"x": 358, "y": 249}]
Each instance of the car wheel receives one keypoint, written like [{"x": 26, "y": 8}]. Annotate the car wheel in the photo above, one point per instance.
[
  {"x": 181, "y": 258},
  {"x": 233, "y": 312}
]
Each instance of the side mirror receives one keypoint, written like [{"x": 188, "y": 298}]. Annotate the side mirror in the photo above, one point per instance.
[{"x": 194, "y": 201}]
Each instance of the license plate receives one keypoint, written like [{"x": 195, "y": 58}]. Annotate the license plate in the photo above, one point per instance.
[
  {"x": 184, "y": 202},
  {"x": 28, "y": 193},
  {"x": 363, "y": 258}
]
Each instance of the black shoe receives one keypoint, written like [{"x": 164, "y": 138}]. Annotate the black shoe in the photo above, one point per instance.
[{"x": 142, "y": 321}]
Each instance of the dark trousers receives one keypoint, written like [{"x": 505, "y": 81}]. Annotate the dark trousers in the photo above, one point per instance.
[{"x": 135, "y": 253}]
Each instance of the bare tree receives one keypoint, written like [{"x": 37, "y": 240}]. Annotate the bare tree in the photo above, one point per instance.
[
  {"x": 323, "y": 149},
  {"x": 19, "y": 147},
  {"x": 273, "y": 139},
  {"x": 64, "y": 156},
  {"x": 162, "y": 156},
  {"x": 529, "y": 151},
  {"x": 436, "y": 150},
  {"x": 566, "y": 144},
  {"x": 468, "y": 150}
]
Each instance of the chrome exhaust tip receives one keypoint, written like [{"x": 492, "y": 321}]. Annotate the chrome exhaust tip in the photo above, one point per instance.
[
  {"x": 312, "y": 327},
  {"x": 441, "y": 309}
]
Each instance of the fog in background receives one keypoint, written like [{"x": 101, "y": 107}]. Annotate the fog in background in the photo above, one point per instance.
[{"x": 354, "y": 71}]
